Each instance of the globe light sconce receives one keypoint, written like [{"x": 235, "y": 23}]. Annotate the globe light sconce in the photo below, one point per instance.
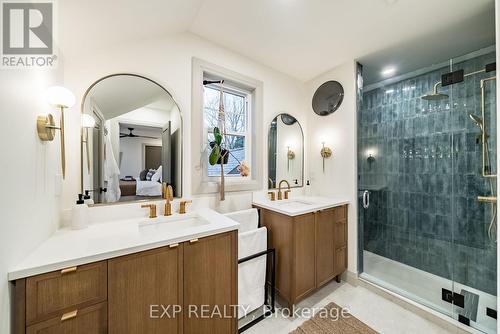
[
  {"x": 326, "y": 153},
  {"x": 61, "y": 98}
]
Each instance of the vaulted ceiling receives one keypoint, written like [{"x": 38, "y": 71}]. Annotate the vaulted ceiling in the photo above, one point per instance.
[{"x": 302, "y": 38}]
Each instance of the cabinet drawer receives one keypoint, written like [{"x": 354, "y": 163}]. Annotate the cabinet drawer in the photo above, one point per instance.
[
  {"x": 89, "y": 320},
  {"x": 49, "y": 295}
]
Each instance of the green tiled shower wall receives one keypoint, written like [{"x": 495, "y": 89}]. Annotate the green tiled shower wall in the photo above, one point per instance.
[{"x": 425, "y": 178}]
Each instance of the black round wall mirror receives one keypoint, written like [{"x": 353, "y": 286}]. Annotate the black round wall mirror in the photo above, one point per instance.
[{"x": 328, "y": 98}]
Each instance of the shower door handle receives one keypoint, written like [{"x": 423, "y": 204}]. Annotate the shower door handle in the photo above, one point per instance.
[{"x": 366, "y": 199}]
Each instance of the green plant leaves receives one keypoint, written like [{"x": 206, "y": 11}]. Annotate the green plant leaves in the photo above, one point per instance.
[
  {"x": 214, "y": 155},
  {"x": 218, "y": 136}
]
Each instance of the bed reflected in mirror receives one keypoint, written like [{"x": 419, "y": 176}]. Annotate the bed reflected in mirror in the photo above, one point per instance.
[{"x": 131, "y": 140}]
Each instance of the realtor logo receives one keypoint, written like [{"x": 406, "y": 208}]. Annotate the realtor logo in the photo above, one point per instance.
[{"x": 27, "y": 29}]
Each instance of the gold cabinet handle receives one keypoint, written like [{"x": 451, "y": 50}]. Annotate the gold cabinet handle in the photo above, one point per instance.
[
  {"x": 173, "y": 245},
  {"x": 69, "y": 270},
  {"x": 193, "y": 241},
  {"x": 69, "y": 315}
]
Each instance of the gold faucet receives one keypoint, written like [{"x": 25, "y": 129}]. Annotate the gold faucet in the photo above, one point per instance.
[
  {"x": 182, "y": 206},
  {"x": 152, "y": 209},
  {"x": 280, "y": 195},
  {"x": 167, "y": 192},
  {"x": 273, "y": 197}
]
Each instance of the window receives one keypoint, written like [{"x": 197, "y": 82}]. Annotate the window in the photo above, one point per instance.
[
  {"x": 238, "y": 127},
  {"x": 243, "y": 122}
]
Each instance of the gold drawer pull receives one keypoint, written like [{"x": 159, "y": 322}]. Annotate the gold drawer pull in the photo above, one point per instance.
[
  {"x": 193, "y": 241},
  {"x": 69, "y": 315},
  {"x": 68, "y": 270},
  {"x": 173, "y": 245}
]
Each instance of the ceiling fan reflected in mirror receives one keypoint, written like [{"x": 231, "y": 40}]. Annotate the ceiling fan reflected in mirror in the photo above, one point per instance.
[{"x": 132, "y": 135}]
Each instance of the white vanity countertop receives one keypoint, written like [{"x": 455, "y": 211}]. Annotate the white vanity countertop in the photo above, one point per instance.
[
  {"x": 298, "y": 205},
  {"x": 67, "y": 248}
]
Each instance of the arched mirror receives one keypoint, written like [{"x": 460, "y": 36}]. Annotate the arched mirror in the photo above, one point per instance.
[
  {"x": 328, "y": 98},
  {"x": 131, "y": 140},
  {"x": 285, "y": 152}
]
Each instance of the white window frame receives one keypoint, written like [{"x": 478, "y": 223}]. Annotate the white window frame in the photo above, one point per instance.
[
  {"x": 233, "y": 81},
  {"x": 248, "y": 128}
]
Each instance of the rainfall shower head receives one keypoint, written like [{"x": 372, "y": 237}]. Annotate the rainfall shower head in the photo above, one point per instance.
[
  {"x": 435, "y": 95},
  {"x": 478, "y": 121}
]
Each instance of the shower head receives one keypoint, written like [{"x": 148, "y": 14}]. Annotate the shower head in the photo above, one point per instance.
[
  {"x": 478, "y": 121},
  {"x": 435, "y": 95}
]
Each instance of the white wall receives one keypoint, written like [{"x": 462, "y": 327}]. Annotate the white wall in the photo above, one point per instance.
[
  {"x": 338, "y": 131},
  {"x": 30, "y": 208},
  {"x": 168, "y": 62}
]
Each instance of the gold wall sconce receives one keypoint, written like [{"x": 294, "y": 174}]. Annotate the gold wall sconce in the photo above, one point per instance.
[
  {"x": 61, "y": 98},
  {"x": 290, "y": 155},
  {"x": 326, "y": 153},
  {"x": 88, "y": 122}
]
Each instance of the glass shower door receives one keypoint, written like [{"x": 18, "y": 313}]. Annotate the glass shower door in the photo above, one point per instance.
[
  {"x": 474, "y": 192},
  {"x": 405, "y": 166}
]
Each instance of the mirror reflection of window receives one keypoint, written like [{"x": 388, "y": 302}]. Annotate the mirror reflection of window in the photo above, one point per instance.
[
  {"x": 136, "y": 143},
  {"x": 285, "y": 151}
]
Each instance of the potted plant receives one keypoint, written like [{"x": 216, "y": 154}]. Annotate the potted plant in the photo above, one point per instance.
[{"x": 219, "y": 155}]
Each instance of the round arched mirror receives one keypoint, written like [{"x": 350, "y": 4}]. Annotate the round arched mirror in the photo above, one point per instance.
[
  {"x": 131, "y": 140},
  {"x": 328, "y": 98},
  {"x": 285, "y": 152}
]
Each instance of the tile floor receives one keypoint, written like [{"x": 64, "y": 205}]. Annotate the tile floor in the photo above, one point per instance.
[{"x": 377, "y": 312}]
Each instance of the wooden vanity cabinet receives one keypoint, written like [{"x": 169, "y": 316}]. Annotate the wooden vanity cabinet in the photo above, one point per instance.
[
  {"x": 311, "y": 249},
  {"x": 139, "y": 285},
  {"x": 128, "y": 294},
  {"x": 210, "y": 278}
]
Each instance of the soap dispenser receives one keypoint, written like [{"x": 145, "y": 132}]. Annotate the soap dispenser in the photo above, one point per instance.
[
  {"x": 86, "y": 198},
  {"x": 79, "y": 214}
]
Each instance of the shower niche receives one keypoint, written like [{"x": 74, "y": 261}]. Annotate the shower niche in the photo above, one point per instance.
[{"x": 427, "y": 170}]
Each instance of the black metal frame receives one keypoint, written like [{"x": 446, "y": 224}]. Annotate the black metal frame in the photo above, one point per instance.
[{"x": 270, "y": 295}]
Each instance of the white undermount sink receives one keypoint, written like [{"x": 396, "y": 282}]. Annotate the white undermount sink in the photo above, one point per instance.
[
  {"x": 293, "y": 203},
  {"x": 175, "y": 222}
]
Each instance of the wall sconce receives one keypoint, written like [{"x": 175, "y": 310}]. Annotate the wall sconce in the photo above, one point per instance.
[
  {"x": 370, "y": 158},
  {"x": 326, "y": 153},
  {"x": 290, "y": 156},
  {"x": 61, "y": 98},
  {"x": 88, "y": 122}
]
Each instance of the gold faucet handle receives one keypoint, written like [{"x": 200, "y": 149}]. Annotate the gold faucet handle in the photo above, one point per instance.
[
  {"x": 272, "y": 194},
  {"x": 167, "y": 191},
  {"x": 164, "y": 190},
  {"x": 286, "y": 193},
  {"x": 152, "y": 209},
  {"x": 182, "y": 207}
]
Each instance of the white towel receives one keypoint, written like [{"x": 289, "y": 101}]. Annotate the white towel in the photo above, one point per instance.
[
  {"x": 251, "y": 274},
  {"x": 111, "y": 173},
  {"x": 248, "y": 219}
]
